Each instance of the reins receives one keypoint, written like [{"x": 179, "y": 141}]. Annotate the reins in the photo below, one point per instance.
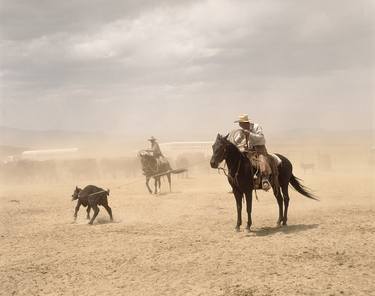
[{"x": 228, "y": 175}]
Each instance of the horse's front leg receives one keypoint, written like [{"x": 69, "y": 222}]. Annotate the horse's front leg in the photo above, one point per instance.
[
  {"x": 249, "y": 204},
  {"x": 147, "y": 185},
  {"x": 238, "y": 197}
]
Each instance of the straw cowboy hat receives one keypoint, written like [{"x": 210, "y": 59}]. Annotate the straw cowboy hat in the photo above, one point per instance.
[
  {"x": 243, "y": 118},
  {"x": 152, "y": 139}
]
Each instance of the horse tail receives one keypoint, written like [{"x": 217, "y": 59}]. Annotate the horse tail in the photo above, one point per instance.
[{"x": 296, "y": 183}]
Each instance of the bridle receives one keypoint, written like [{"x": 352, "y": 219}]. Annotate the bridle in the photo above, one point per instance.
[{"x": 226, "y": 171}]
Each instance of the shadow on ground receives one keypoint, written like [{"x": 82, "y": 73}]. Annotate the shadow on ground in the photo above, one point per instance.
[{"x": 265, "y": 231}]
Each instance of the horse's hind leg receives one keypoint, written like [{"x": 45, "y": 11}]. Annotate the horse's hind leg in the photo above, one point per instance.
[
  {"x": 284, "y": 189},
  {"x": 169, "y": 182},
  {"x": 148, "y": 186},
  {"x": 279, "y": 199},
  {"x": 157, "y": 180}
]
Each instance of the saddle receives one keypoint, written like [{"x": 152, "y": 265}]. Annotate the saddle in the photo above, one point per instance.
[
  {"x": 253, "y": 157},
  {"x": 274, "y": 162}
]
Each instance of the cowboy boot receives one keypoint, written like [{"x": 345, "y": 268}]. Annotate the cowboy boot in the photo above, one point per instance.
[{"x": 266, "y": 185}]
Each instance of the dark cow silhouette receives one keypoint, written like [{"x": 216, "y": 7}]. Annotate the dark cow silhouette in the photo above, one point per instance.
[{"x": 91, "y": 197}]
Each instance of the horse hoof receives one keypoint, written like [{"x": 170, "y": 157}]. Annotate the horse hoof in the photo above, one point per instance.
[
  {"x": 237, "y": 229},
  {"x": 90, "y": 223},
  {"x": 248, "y": 229}
]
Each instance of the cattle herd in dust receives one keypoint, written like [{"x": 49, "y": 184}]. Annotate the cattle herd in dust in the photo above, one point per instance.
[
  {"x": 56, "y": 170},
  {"x": 28, "y": 171}
]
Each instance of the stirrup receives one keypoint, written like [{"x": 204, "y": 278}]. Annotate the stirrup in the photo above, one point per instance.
[{"x": 266, "y": 185}]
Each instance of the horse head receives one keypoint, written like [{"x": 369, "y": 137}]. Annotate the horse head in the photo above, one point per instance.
[{"x": 219, "y": 150}]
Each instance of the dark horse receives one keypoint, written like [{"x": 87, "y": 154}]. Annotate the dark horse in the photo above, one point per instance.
[
  {"x": 240, "y": 177},
  {"x": 152, "y": 170}
]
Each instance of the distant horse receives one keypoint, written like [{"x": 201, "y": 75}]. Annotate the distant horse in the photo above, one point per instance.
[
  {"x": 151, "y": 169},
  {"x": 91, "y": 197},
  {"x": 240, "y": 177}
]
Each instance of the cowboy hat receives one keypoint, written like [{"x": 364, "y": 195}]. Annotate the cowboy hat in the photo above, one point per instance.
[
  {"x": 243, "y": 118},
  {"x": 152, "y": 139}
]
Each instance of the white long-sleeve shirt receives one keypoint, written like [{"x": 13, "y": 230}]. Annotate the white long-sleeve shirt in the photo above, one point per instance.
[{"x": 245, "y": 139}]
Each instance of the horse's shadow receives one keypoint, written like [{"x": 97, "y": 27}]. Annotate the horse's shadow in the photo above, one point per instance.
[{"x": 265, "y": 231}]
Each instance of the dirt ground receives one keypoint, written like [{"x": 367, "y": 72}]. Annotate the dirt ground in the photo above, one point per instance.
[{"x": 184, "y": 243}]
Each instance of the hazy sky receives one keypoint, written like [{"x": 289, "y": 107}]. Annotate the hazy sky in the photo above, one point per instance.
[{"x": 148, "y": 67}]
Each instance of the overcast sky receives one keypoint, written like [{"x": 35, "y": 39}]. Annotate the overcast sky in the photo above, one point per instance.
[{"x": 165, "y": 67}]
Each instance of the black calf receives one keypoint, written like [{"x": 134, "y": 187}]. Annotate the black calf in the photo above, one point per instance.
[{"x": 91, "y": 197}]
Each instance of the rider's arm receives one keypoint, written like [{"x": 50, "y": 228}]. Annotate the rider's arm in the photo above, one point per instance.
[
  {"x": 257, "y": 136},
  {"x": 239, "y": 139}
]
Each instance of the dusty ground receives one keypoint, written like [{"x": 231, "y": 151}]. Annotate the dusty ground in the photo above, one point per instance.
[{"x": 184, "y": 243}]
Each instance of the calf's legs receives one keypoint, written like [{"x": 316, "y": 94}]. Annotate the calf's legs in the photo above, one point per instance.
[
  {"x": 88, "y": 212},
  {"x": 96, "y": 212},
  {"x": 108, "y": 208},
  {"x": 77, "y": 209}
]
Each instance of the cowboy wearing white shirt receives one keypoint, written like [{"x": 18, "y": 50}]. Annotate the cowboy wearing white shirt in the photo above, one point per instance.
[{"x": 250, "y": 138}]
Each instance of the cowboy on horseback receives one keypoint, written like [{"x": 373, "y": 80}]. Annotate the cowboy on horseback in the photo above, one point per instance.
[
  {"x": 250, "y": 139},
  {"x": 155, "y": 165},
  {"x": 155, "y": 150}
]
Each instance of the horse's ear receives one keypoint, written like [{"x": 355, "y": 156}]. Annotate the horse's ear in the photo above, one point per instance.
[
  {"x": 76, "y": 187},
  {"x": 226, "y": 137},
  {"x": 218, "y": 136}
]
